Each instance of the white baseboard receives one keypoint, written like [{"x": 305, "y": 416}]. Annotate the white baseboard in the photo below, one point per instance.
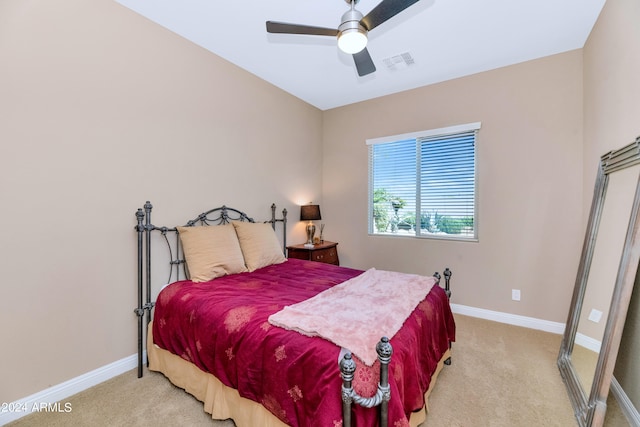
[
  {"x": 57, "y": 393},
  {"x": 627, "y": 407},
  {"x": 69, "y": 388},
  {"x": 527, "y": 322},
  {"x": 511, "y": 319},
  {"x": 588, "y": 342}
]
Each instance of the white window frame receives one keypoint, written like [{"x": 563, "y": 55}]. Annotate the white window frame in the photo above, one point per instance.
[{"x": 440, "y": 132}]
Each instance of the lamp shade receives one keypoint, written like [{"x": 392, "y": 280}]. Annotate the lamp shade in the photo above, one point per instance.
[{"x": 310, "y": 213}]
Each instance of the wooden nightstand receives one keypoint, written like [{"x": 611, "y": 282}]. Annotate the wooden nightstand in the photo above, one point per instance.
[{"x": 326, "y": 252}]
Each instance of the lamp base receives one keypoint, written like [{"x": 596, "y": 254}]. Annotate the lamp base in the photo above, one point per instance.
[{"x": 311, "y": 231}]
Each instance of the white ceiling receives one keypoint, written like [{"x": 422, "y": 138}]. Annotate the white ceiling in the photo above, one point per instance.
[{"x": 446, "y": 39}]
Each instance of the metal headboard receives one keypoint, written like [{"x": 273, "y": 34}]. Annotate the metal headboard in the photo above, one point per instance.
[{"x": 177, "y": 264}]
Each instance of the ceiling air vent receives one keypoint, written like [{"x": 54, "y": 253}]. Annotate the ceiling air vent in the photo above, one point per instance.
[{"x": 399, "y": 62}]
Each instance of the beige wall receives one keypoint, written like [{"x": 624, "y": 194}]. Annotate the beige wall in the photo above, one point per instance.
[
  {"x": 611, "y": 117},
  {"x": 101, "y": 110},
  {"x": 529, "y": 157}
]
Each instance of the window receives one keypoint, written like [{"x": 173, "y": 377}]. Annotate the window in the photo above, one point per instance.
[{"x": 424, "y": 184}]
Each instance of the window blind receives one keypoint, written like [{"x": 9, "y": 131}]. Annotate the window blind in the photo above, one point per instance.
[{"x": 424, "y": 185}]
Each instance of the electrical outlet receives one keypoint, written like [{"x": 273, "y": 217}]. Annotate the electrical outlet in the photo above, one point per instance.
[
  {"x": 515, "y": 294},
  {"x": 595, "y": 315}
]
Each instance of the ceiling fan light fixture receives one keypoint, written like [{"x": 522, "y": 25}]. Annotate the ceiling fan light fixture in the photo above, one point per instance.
[
  {"x": 352, "y": 36},
  {"x": 352, "y": 40}
]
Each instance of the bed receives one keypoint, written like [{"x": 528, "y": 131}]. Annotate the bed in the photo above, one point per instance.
[{"x": 220, "y": 328}]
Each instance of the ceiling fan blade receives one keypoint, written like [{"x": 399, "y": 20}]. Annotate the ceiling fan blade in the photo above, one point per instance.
[
  {"x": 364, "y": 63},
  {"x": 285, "y": 28},
  {"x": 384, "y": 11}
]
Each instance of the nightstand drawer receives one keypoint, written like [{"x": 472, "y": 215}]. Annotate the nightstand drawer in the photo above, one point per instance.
[
  {"x": 298, "y": 254},
  {"x": 328, "y": 256}
]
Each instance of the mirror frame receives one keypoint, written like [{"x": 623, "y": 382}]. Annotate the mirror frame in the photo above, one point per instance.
[{"x": 590, "y": 408}]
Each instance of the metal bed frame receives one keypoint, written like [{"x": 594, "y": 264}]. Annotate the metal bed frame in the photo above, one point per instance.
[{"x": 223, "y": 215}]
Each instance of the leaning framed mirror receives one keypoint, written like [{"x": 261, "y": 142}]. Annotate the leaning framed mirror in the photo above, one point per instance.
[{"x": 604, "y": 284}]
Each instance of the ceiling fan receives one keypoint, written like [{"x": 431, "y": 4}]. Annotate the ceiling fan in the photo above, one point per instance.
[{"x": 352, "y": 31}]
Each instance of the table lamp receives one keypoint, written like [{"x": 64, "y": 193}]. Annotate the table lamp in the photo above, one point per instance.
[{"x": 310, "y": 213}]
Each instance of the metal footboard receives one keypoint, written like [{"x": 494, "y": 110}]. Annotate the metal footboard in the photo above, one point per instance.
[{"x": 383, "y": 394}]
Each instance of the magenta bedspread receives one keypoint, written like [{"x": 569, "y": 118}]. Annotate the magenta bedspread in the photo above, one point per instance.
[{"x": 221, "y": 326}]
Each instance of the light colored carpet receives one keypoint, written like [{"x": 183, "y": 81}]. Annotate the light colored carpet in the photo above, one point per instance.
[{"x": 501, "y": 376}]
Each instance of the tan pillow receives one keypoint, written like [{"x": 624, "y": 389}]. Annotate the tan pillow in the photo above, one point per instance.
[
  {"x": 259, "y": 244},
  {"x": 211, "y": 251}
]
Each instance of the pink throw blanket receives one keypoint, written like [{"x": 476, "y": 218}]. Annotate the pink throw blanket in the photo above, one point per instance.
[{"x": 357, "y": 313}]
